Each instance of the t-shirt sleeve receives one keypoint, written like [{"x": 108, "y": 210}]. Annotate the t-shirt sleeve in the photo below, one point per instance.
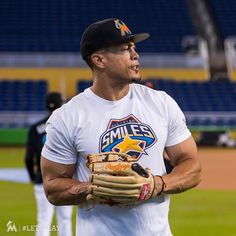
[
  {"x": 177, "y": 128},
  {"x": 59, "y": 144}
]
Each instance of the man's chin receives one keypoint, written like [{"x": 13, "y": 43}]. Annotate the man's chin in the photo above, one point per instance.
[{"x": 136, "y": 80}]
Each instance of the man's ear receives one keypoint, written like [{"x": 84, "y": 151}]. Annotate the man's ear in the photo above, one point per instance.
[{"x": 98, "y": 60}]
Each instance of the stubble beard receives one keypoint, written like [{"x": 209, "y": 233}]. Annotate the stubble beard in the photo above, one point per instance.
[{"x": 136, "y": 80}]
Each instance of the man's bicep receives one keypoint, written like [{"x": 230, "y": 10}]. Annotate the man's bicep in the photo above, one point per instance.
[
  {"x": 52, "y": 170},
  {"x": 59, "y": 147},
  {"x": 182, "y": 151}
]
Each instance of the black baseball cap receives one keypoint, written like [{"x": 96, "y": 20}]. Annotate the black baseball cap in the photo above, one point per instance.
[
  {"x": 106, "y": 33},
  {"x": 53, "y": 101}
]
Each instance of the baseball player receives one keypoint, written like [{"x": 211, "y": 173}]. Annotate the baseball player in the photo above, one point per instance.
[
  {"x": 45, "y": 210},
  {"x": 104, "y": 148}
]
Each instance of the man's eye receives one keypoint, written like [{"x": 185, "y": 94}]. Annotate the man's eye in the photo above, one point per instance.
[
  {"x": 125, "y": 48},
  {"x": 128, "y": 48}
]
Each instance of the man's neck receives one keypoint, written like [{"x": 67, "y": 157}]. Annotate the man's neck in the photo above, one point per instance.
[{"x": 108, "y": 90}]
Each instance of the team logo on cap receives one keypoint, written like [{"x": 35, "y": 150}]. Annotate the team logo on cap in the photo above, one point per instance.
[
  {"x": 122, "y": 27},
  {"x": 127, "y": 135}
]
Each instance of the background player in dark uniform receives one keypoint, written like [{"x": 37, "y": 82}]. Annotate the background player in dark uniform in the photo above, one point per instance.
[{"x": 35, "y": 142}]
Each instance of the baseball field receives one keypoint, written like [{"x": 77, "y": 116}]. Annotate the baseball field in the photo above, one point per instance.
[{"x": 208, "y": 210}]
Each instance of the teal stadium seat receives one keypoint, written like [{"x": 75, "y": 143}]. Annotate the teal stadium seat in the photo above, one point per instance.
[{"x": 19, "y": 95}]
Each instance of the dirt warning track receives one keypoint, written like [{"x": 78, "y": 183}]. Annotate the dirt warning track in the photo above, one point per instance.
[{"x": 218, "y": 168}]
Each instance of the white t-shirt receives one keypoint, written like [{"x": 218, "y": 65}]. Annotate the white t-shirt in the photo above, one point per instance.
[{"x": 143, "y": 123}]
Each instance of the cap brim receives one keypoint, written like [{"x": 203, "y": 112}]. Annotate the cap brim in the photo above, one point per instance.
[{"x": 140, "y": 37}]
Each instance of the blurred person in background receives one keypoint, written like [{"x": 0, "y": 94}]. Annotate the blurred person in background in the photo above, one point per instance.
[{"x": 35, "y": 142}]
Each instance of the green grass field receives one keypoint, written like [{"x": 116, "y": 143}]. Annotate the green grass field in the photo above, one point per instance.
[{"x": 193, "y": 213}]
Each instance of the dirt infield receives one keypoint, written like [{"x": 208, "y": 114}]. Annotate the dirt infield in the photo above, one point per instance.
[{"x": 218, "y": 168}]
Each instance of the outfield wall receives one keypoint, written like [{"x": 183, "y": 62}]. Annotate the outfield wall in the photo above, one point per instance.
[
  {"x": 232, "y": 75},
  {"x": 10, "y": 137}
]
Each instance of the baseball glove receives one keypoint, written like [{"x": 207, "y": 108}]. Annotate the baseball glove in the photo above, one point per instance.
[{"x": 117, "y": 179}]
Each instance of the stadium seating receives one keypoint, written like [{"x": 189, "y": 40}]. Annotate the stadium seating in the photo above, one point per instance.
[
  {"x": 57, "y": 25},
  {"x": 206, "y": 96},
  {"x": 25, "y": 95},
  {"x": 224, "y": 13},
  {"x": 82, "y": 85}
]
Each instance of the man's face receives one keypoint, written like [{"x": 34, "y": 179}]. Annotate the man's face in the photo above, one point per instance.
[{"x": 121, "y": 63}]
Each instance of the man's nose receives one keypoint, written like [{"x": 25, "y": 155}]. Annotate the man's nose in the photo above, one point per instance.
[{"x": 134, "y": 55}]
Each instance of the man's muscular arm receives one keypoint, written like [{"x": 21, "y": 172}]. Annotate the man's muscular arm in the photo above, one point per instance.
[
  {"x": 187, "y": 169},
  {"x": 59, "y": 185}
]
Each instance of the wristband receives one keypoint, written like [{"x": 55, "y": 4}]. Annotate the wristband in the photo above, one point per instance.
[{"x": 163, "y": 185}]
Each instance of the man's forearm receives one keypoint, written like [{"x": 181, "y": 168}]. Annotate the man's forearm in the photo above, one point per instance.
[
  {"x": 65, "y": 191},
  {"x": 184, "y": 176}
]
